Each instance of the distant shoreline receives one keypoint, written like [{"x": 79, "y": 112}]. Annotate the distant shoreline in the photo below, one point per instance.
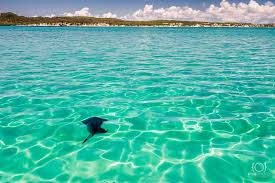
[
  {"x": 134, "y": 26},
  {"x": 10, "y": 19}
]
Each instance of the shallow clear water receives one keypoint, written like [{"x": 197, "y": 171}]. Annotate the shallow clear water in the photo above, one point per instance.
[{"x": 184, "y": 104}]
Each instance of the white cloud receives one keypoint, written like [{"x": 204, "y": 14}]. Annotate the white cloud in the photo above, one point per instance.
[
  {"x": 50, "y": 16},
  {"x": 173, "y": 12},
  {"x": 109, "y": 15},
  {"x": 252, "y": 12},
  {"x": 83, "y": 12},
  {"x": 241, "y": 12}
]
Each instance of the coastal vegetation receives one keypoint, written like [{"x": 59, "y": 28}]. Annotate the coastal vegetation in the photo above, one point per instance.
[{"x": 10, "y": 18}]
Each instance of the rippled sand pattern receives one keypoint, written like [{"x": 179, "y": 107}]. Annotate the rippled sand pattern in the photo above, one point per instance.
[{"x": 184, "y": 104}]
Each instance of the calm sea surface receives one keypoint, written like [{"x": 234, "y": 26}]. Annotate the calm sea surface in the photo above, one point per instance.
[{"x": 184, "y": 104}]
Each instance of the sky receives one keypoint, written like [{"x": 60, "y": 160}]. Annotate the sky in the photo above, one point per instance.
[{"x": 254, "y": 11}]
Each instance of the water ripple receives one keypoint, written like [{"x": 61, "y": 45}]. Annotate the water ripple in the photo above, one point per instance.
[{"x": 181, "y": 102}]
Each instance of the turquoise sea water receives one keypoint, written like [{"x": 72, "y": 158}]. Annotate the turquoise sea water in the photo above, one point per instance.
[{"x": 184, "y": 104}]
